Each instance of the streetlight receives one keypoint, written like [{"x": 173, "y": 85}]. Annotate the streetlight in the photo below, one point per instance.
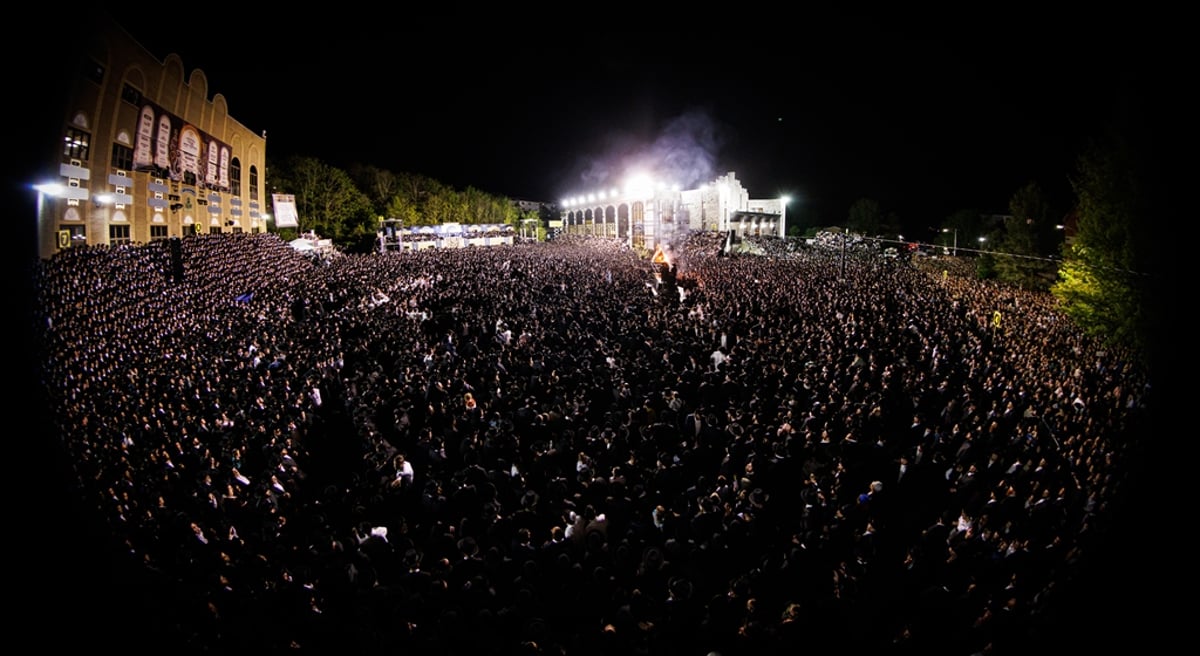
[{"x": 955, "y": 239}]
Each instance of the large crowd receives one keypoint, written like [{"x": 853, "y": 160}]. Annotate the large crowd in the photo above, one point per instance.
[{"x": 568, "y": 449}]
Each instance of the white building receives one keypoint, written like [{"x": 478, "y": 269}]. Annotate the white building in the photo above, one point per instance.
[{"x": 651, "y": 214}]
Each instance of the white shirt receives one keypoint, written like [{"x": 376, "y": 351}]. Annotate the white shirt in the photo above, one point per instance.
[{"x": 405, "y": 472}]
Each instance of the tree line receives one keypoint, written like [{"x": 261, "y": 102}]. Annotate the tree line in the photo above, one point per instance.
[{"x": 348, "y": 207}]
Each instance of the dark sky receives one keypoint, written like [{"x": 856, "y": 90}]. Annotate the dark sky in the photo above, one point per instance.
[{"x": 924, "y": 117}]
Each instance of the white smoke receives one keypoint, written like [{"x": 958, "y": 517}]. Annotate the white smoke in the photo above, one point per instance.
[{"x": 684, "y": 154}]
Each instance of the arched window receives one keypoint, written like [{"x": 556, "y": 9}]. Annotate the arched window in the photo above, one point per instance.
[
  {"x": 235, "y": 177},
  {"x": 253, "y": 182}
]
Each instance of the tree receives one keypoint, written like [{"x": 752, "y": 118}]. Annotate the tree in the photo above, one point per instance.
[
  {"x": 482, "y": 207},
  {"x": 413, "y": 198},
  {"x": 803, "y": 220},
  {"x": 405, "y": 209},
  {"x": 961, "y": 230},
  {"x": 890, "y": 225},
  {"x": 380, "y": 185},
  {"x": 331, "y": 203},
  {"x": 513, "y": 215},
  {"x": 1021, "y": 263},
  {"x": 865, "y": 217},
  {"x": 443, "y": 207},
  {"x": 1105, "y": 283},
  {"x": 529, "y": 223},
  {"x": 327, "y": 201}
]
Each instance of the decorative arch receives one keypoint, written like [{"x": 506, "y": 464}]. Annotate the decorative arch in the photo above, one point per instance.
[
  {"x": 220, "y": 108},
  {"x": 172, "y": 78}
]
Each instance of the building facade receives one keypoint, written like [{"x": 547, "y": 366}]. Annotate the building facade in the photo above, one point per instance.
[
  {"x": 653, "y": 215},
  {"x": 144, "y": 153}
]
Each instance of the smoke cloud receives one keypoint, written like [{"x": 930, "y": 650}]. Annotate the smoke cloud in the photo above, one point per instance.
[{"x": 684, "y": 153}]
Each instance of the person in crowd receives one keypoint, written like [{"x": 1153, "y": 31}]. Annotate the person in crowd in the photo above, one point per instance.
[
  {"x": 769, "y": 458},
  {"x": 403, "y": 478}
]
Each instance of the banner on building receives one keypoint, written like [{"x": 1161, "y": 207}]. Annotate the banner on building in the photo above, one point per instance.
[{"x": 169, "y": 147}]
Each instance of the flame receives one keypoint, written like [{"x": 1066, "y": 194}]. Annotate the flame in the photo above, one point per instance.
[{"x": 661, "y": 257}]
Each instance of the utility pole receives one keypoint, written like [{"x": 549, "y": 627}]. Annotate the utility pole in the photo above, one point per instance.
[{"x": 843, "y": 255}]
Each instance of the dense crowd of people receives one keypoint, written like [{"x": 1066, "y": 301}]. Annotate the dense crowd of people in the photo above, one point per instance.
[{"x": 566, "y": 448}]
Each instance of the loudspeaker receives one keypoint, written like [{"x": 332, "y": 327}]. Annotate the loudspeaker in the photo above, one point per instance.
[{"x": 176, "y": 259}]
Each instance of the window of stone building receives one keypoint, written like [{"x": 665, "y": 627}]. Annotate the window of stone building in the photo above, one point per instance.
[
  {"x": 158, "y": 232},
  {"x": 94, "y": 71},
  {"x": 131, "y": 95},
  {"x": 76, "y": 143},
  {"x": 253, "y": 183},
  {"x": 122, "y": 157},
  {"x": 76, "y": 235},
  {"x": 118, "y": 235},
  {"x": 235, "y": 177}
]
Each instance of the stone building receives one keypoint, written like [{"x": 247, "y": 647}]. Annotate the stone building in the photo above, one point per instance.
[
  {"x": 145, "y": 151},
  {"x": 652, "y": 214}
]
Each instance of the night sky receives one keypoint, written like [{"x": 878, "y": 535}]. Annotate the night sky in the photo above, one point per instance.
[{"x": 925, "y": 117}]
